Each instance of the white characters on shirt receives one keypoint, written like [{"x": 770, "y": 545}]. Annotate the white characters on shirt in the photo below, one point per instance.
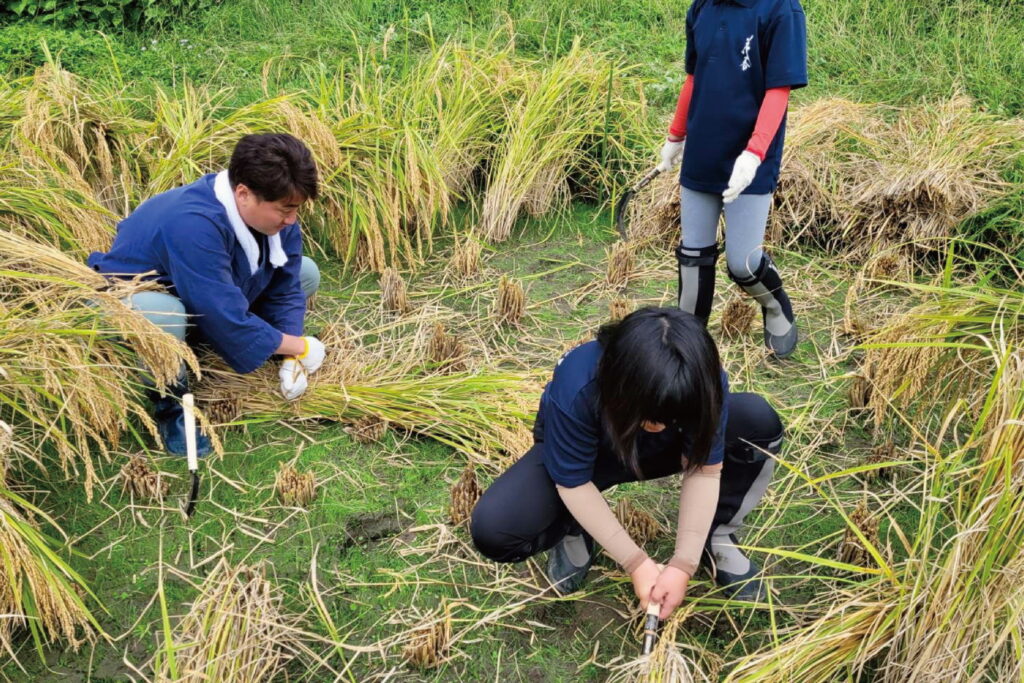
[{"x": 746, "y": 53}]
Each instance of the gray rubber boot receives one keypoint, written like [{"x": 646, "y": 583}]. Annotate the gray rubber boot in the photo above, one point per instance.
[
  {"x": 569, "y": 561},
  {"x": 765, "y": 286}
]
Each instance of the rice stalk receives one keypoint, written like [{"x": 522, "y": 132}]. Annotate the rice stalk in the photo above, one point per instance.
[
  {"x": 142, "y": 481},
  {"x": 38, "y": 589},
  {"x": 851, "y": 550},
  {"x": 294, "y": 488},
  {"x": 951, "y": 608},
  {"x": 393, "y": 295},
  {"x": 464, "y": 495},
  {"x": 619, "y": 308},
  {"x": 446, "y": 351},
  {"x": 737, "y": 318},
  {"x": 669, "y": 661},
  {"x": 510, "y": 304},
  {"x": 621, "y": 263},
  {"x": 638, "y": 523},
  {"x": 236, "y": 630},
  {"x": 428, "y": 644},
  {"x": 465, "y": 261}
]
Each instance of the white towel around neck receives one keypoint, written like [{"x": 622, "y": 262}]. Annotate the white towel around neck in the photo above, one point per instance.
[{"x": 222, "y": 190}]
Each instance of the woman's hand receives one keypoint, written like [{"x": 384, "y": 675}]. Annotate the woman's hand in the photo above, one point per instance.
[
  {"x": 669, "y": 590},
  {"x": 644, "y": 577}
]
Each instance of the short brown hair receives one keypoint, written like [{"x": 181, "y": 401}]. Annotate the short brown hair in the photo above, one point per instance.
[{"x": 274, "y": 165}]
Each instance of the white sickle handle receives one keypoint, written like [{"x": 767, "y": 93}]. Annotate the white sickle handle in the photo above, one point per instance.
[{"x": 189, "y": 402}]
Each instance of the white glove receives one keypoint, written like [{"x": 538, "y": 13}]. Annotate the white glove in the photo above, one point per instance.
[
  {"x": 293, "y": 379},
  {"x": 313, "y": 357},
  {"x": 743, "y": 172},
  {"x": 671, "y": 155}
]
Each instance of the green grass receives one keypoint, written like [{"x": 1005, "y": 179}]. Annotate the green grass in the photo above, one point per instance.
[{"x": 864, "y": 49}]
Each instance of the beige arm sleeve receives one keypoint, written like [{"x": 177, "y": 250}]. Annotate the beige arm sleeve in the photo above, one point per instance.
[
  {"x": 591, "y": 510},
  {"x": 698, "y": 498}
]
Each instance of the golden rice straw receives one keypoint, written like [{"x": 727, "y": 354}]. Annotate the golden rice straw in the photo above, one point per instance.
[
  {"x": 511, "y": 302},
  {"x": 621, "y": 262},
  {"x": 236, "y": 630}
]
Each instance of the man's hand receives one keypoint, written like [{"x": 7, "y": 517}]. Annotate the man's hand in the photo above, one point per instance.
[
  {"x": 670, "y": 589},
  {"x": 743, "y": 172},
  {"x": 313, "y": 356},
  {"x": 293, "y": 379},
  {"x": 671, "y": 155},
  {"x": 644, "y": 577}
]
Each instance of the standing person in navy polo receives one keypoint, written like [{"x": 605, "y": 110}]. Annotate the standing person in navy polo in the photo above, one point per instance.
[
  {"x": 228, "y": 249},
  {"x": 743, "y": 57}
]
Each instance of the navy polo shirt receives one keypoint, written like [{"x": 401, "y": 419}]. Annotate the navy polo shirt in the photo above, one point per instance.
[
  {"x": 736, "y": 50},
  {"x": 570, "y": 427}
]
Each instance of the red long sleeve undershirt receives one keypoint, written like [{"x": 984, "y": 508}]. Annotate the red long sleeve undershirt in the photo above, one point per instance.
[{"x": 769, "y": 118}]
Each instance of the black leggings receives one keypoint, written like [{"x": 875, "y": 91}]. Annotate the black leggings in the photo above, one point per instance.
[{"x": 521, "y": 513}]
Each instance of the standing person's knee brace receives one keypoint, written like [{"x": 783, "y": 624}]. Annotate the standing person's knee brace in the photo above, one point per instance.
[
  {"x": 742, "y": 266},
  {"x": 309, "y": 276},
  {"x": 697, "y": 279}
]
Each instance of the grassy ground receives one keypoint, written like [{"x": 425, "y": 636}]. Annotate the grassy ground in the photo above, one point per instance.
[
  {"x": 384, "y": 553},
  {"x": 870, "y": 51}
]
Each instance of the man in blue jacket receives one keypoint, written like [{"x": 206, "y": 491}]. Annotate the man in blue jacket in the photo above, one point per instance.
[{"x": 228, "y": 248}]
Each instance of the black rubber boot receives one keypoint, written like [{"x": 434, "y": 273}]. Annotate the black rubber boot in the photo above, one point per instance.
[
  {"x": 765, "y": 286},
  {"x": 563, "y": 573},
  {"x": 170, "y": 419},
  {"x": 697, "y": 279}
]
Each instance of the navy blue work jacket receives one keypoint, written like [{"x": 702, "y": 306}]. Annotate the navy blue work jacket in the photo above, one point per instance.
[{"x": 184, "y": 235}]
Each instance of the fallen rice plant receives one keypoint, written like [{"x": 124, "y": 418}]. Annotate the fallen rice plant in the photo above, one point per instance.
[
  {"x": 481, "y": 413},
  {"x": 951, "y": 609},
  {"x": 38, "y": 589},
  {"x": 73, "y": 353},
  {"x": 294, "y": 488},
  {"x": 236, "y": 630}
]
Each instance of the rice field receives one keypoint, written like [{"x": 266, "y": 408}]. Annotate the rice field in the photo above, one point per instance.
[{"x": 466, "y": 240}]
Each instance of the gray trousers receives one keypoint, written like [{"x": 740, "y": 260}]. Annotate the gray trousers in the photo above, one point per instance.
[
  {"x": 168, "y": 313},
  {"x": 749, "y": 266},
  {"x": 745, "y": 222}
]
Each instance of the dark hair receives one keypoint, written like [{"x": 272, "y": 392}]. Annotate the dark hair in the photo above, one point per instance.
[
  {"x": 659, "y": 364},
  {"x": 274, "y": 165}
]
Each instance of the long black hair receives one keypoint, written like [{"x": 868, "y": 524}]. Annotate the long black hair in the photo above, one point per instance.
[{"x": 661, "y": 365}]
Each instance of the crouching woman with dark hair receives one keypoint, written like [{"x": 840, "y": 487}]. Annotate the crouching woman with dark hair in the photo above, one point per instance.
[{"x": 645, "y": 400}]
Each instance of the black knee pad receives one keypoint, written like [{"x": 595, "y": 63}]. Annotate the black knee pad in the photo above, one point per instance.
[
  {"x": 697, "y": 269},
  {"x": 754, "y": 429}
]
